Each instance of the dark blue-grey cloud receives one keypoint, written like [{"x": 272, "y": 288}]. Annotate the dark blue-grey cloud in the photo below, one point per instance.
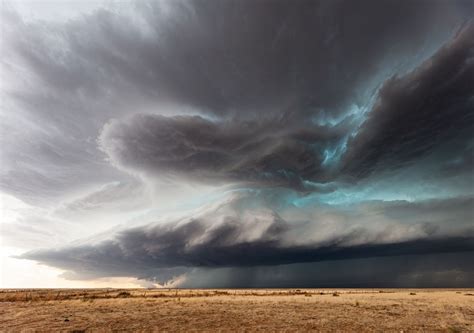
[
  {"x": 227, "y": 236},
  {"x": 309, "y": 105},
  {"x": 427, "y": 110},
  {"x": 236, "y": 59},
  {"x": 440, "y": 270},
  {"x": 431, "y": 108},
  {"x": 279, "y": 153}
]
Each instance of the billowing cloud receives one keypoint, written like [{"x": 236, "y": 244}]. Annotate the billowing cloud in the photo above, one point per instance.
[
  {"x": 274, "y": 152},
  {"x": 244, "y": 59},
  {"x": 427, "y": 110},
  {"x": 226, "y": 235},
  {"x": 291, "y": 151},
  {"x": 339, "y": 130}
]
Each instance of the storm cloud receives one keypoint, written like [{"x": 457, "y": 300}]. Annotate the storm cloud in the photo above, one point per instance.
[
  {"x": 270, "y": 153},
  {"x": 225, "y": 235},
  {"x": 247, "y": 59},
  {"x": 205, "y": 140},
  {"x": 284, "y": 150},
  {"x": 448, "y": 270},
  {"x": 431, "y": 107}
]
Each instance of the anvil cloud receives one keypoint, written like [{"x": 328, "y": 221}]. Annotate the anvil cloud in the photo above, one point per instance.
[{"x": 192, "y": 142}]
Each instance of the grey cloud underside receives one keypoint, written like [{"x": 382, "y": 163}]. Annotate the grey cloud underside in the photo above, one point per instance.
[
  {"x": 272, "y": 153},
  {"x": 247, "y": 56},
  {"x": 448, "y": 270},
  {"x": 428, "y": 110},
  {"x": 224, "y": 236},
  {"x": 234, "y": 59},
  {"x": 119, "y": 259}
]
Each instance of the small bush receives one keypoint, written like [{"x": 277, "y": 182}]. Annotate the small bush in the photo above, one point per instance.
[{"x": 123, "y": 294}]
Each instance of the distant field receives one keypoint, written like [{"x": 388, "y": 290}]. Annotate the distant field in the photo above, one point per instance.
[{"x": 289, "y": 310}]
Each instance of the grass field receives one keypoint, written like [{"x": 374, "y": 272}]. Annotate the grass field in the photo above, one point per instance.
[{"x": 288, "y": 310}]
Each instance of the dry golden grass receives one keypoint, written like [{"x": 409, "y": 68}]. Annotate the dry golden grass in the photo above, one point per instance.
[{"x": 288, "y": 310}]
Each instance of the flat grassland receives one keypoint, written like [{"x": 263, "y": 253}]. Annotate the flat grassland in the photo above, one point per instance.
[{"x": 229, "y": 310}]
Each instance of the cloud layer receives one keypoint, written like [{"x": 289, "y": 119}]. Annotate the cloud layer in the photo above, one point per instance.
[
  {"x": 244, "y": 137},
  {"x": 282, "y": 150},
  {"x": 225, "y": 235},
  {"x": 418, "y": 113},
  {"x": 274, "y": 152},
  {"x": 244, "y": 59}
]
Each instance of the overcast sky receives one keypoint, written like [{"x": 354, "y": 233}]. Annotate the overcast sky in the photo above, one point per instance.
[{"x": 239, "y": 143}]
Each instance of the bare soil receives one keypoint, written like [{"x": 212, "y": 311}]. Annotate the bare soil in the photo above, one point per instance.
[{"x": 282, "y": 310}]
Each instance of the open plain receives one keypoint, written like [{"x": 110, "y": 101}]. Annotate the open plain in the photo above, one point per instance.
[{"x": 287, "y": 310}]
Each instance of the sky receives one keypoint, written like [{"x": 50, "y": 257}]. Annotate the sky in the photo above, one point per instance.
[{"x": 238, "y": 143}]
